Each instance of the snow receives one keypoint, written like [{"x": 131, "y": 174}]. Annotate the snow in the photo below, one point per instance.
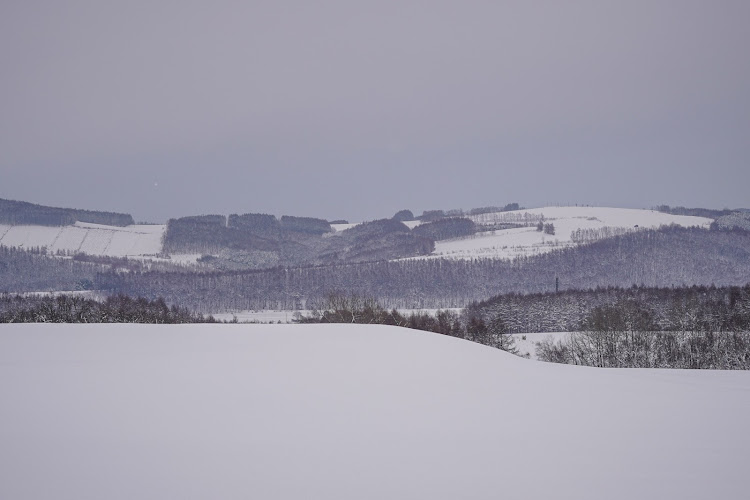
[
  {"x": 526, "y": 342},
  {"x": 288, "y": 315},
  {"x": 93, "y": 239},
  {"x": 261, "y": 316},
  {"x": 527, "y": 241},
  {"x": 350, "y": 411},
  {"x": 185, "y": 259},
  {"x": 411, "y": 224},
  {"x": 343, "y": 227}
]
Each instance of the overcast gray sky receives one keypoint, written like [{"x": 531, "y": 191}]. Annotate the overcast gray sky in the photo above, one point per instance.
[{"x": 355, "y": 109}]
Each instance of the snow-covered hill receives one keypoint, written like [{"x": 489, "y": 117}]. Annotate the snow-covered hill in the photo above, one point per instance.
[
  {"x": 350, "y": 411},
  {"x": 93, "y": 239},
  {"x": 590, "y": 222}
]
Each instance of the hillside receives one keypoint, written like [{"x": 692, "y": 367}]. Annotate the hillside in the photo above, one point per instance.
[
  {"x": 92, "y": 239},
  {"x": 342, "y": 412},
  {"x": 671, "y": 256},
  {"x": 573, "y": 226},
  {"x": 257, "y": 241}
]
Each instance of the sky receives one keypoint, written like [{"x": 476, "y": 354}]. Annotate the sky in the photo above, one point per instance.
[{"x": 354, "y": 110}]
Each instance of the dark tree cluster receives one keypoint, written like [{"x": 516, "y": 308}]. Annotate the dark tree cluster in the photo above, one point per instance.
[
  {"x": 432, "y": 215},
  {"x": 709, "y": 213},
  {"x": 664, "y": 309},
  {"x": 403, "y": 215},
  {"x": 76, "y": 309},
  {"x": 211, "y": 234},
  {"x": 733, "y": 221},
  {"x": 377, "y": 240},
  {"x": 307, "y": 225},
  {"x": 588, "y": 235},
  {"x": 444, "y": 229},
  {"x": 258, "y": 224},
  {"x": 697, "y": 329},
  {"x": 33, "y": 270},
  {"x": 24, "y": 213}
]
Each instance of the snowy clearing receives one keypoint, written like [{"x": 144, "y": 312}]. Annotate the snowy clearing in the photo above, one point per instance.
[
  {"x": 93, "y": 239},
  {"x": 526, "y": 342},
  {"x": 350, "y": 411},
  {"x": 288, "y": 315},
  {"x": 526, "y": 241}
]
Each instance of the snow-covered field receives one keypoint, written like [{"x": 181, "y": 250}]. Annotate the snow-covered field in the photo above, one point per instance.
[
  {"x": 93, "y": 239},
  {"x": 526, "y": 342},
  {"x": 261, "y": 316},
  {"x": 525, "y": 241},
  {"x": 350, "y": 411},
  {"x": 288, "y": 315},
  {"x": 411, "y": 224}
]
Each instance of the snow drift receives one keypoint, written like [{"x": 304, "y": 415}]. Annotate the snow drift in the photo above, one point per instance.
[{"x": 345, "y": 411}]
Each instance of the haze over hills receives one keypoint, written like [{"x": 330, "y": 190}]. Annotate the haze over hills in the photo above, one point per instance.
[{"x": 215, "y": 263}]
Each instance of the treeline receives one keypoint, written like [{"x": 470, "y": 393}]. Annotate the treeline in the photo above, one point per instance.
[
  {"x": 710, "y": 330},
  {"x": 588, "y": 235},
  {"x": 709, "y": 213},
  {"x": 436, "y": 215},
  {"x": 23, "y": 270},
  {"x": 76, "y": 309},
  {"x": 499, "y": 220},
  {"x": 21, "y": 212},
  {"x": 670, "y": 256},
  {"x": 699, "y": 308},
  {"x": 733, "y": 221},
  {"x": 36, "y": 270}
]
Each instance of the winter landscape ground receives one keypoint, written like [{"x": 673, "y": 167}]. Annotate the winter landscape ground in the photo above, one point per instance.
[
  {"x": 350, "y": 411},
  {"x": 147, "y": 240}
]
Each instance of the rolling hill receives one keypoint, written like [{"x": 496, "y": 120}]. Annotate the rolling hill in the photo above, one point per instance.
[{"x": 345, "y": 411}]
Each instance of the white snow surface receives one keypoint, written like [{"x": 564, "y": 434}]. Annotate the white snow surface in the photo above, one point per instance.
[
  {"x": 526, "y": 241},
  {"x": 262, "y": 316},
  {"x": 93, "y": 239},
  {"x": 350, "y": 412},
  {"x": 526, "y": 342},
  {"x": 288, "y": 315},
  {"x": 411, "y": 224}
]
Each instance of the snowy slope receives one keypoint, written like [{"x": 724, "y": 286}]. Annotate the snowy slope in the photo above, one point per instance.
[
  {"x": 524, "y": 241},
  {"x": 350, "y": 412},
  {"x": 93, "y": 239}
]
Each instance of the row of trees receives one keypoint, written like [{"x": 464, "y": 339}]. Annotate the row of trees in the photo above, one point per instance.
[
  {"x": 694, "y": 212},
  {"x": 649, "y": 308},
  {"x": 77, "y": 309},
  {"x": 589, "y": 235},
  {"x": 21, "y": 212},
  {"x": 435, "y": 215},
  {"x": 733, "y": 221},
  {"x": 626, "y": 335}
]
